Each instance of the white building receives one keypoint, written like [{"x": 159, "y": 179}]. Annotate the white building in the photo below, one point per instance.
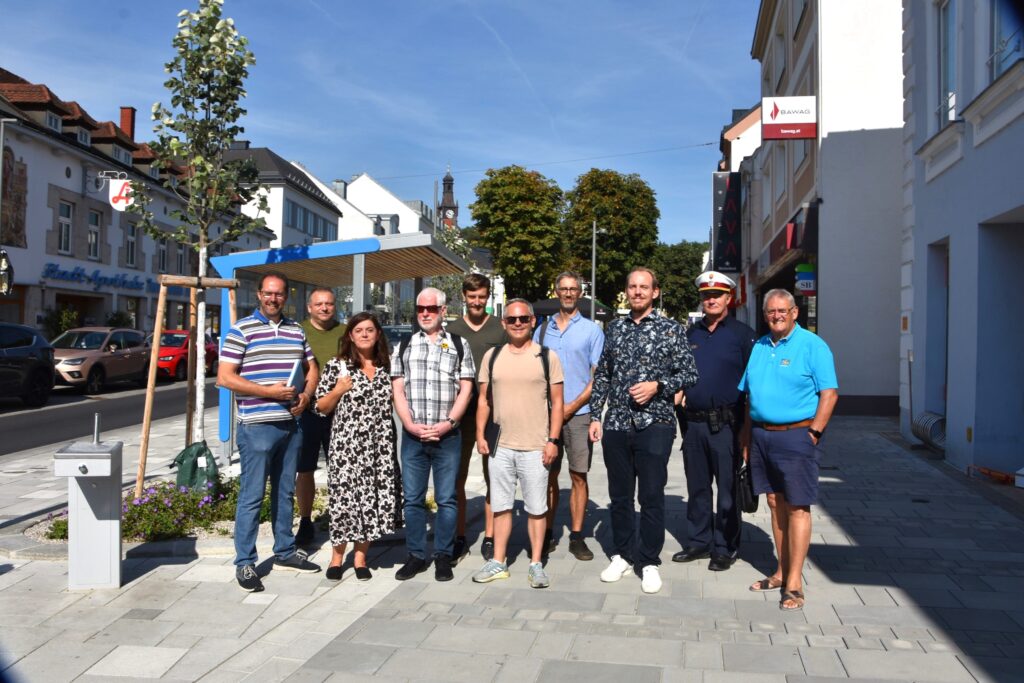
[
  {"x": 963, "y": 228},
  {"x": 69, "y": 247},
  {"x": 833, "y": 203}
]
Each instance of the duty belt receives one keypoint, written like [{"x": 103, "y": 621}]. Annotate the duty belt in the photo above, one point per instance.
[{"x": 723, "y": 412}]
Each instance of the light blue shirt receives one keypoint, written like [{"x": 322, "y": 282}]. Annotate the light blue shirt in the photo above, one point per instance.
[
  {"x": 578, "y": 348},
  {"x": 784, "y": 379}
]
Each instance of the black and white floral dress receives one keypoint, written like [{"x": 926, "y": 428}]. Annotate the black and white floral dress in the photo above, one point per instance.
[{"x": 364, "y": 483}]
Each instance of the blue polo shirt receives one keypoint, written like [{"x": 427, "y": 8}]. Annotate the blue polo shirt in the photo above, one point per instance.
[
  {"x": 578, "y": 348},
  {"x": 783, "y": 379},
  {"x": 721, "y": 356}
]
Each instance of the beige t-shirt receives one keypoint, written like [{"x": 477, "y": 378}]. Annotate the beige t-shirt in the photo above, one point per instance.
[{"x": 519, "y": 396}]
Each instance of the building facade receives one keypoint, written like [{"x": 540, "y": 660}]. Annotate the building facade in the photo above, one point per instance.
[
  {"x": 963, "y": 230},
  {"x": 830, "y": 207},
  {"x": 71, "y": 248}
]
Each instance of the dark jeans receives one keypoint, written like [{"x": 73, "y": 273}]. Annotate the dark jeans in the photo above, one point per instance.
[
  {"x": 419, "y": 459},
  {"x": 637, "y": 463},
  {"x": 316, "y": 435},
  {"x": 709, "y": 458}
]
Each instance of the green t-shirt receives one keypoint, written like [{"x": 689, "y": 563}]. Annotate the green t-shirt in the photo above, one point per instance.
[
  {"x": 490, "y": 334},
  {"x": 323, "y": 342}
]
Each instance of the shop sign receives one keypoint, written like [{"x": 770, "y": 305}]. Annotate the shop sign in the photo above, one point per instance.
[
  {"x": 806, "y": 280},
  {"x": 120, "y": 193},
  {"x": 100, "y": 280},
  {"x": 789, "y": 118}
]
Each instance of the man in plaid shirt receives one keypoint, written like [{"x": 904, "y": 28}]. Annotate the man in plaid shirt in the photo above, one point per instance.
[{"x": 432, "y": 388}]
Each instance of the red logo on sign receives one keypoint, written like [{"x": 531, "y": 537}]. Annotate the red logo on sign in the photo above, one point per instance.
[{"x": 775, "y": 110}]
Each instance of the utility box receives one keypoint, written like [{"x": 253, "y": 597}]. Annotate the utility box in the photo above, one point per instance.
[{"x": 93, "y": 469}]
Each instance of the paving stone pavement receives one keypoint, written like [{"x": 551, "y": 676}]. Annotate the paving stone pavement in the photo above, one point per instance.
[{"x": 914, "y": 574}]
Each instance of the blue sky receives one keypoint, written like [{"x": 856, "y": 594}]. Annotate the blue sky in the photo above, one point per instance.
[{"x": 402, "y": 89}]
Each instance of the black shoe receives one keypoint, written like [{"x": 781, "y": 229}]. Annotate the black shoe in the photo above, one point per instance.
[
  {"x": 578, "y": 548},
  {"x": 363, "y": 573},
  {"x": 297, "y": 563},
  {"x": 413, "y": 566},
  {"x": 461, "y": 549},
  {"x": 306, "y": 532},
  {"x": 248, "y": 579},
  {"x": 691, "y": 554},
  {"x": 720, "y": 563},
  {"x": 443, "y": 568},
  {"x": 487, "y": 549},
  {"x": 333, "y": 573}
]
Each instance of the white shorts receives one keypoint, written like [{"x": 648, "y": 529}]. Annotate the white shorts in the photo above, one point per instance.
[{"x": 527, "y": 467}]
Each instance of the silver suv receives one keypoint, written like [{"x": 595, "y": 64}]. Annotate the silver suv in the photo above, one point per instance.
[{"x": 90, "y": 357}]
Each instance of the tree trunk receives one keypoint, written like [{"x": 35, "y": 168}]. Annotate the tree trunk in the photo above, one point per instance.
[{"x": 198, "y": 428}]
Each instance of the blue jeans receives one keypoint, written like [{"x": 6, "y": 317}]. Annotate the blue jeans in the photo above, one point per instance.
[
  {"x": 419, "y": 458},
  {"x": 267, "y": 449},
  {"x": 637, "y": 463}
]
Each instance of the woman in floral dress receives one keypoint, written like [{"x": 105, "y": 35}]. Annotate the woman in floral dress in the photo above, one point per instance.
[{"x": 364, "y": 484}]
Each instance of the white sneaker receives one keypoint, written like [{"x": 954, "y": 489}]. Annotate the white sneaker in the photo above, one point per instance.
[
  {"x": 616, "y": 570},
  {"x": 650, "y": 579}
]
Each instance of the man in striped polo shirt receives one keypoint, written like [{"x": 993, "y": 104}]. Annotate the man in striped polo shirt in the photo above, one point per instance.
[{"x": 256, "y": 360}]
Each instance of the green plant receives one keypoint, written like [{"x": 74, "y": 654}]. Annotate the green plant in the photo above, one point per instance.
[
  {"x": 56, "y": 322},
  {"x": 58, "y": 527}
]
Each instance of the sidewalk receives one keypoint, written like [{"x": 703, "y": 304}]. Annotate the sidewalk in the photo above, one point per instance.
[{"x": 914, "y": 574}]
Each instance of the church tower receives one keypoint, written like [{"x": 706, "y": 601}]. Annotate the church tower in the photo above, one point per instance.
[{"x": 448, "y": 209}]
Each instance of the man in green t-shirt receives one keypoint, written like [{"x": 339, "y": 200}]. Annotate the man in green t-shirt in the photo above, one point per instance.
[
  {"x": 324, "y": 333},
  {"x": 481, "y": 331}
]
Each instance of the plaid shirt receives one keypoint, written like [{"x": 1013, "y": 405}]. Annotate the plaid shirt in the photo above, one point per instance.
[{"x": 432, "y": 375}]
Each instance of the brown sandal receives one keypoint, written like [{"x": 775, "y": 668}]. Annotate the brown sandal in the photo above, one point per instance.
[
  {"x": 765, "y": 584},
  {"x": 796, "y": 597}
]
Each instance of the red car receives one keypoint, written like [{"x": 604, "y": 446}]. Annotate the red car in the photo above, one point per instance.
[{"x": 173, "y": 358}]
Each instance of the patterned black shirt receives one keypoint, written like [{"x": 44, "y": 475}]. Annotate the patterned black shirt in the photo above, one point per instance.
[{"x": 654, "y": 349}]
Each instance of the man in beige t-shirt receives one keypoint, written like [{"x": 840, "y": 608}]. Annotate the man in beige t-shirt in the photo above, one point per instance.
[{"x": 526, "y": 398}]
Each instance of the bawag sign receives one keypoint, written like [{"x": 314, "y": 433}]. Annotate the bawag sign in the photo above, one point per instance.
[{"x": 726, "y": 216}]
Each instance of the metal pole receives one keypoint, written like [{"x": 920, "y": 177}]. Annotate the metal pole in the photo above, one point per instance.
[{"x": 593, "y": 270}]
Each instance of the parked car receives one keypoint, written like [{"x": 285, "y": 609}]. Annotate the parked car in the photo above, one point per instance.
[
  {"x": 396, "y": 334},
  {"x": 173, "y": 358},
  {"x": 26, "y": 365},
  {"x": 90, "y": 357}
]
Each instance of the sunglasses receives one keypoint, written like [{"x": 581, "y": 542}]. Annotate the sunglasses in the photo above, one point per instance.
[
  {"x": 428, "y": 309},
  {"x": 513, "y": 319}
]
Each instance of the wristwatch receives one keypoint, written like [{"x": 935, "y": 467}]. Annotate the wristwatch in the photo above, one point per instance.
[
  {"x": 557, "y": 442},
  {"x": 815, "y": 433},
  {"x": 454, "y": 423}
]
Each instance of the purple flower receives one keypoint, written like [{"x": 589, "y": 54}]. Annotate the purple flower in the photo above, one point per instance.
[
  {"x": 136, "y": 501},
  {"x": 151, "y": 490},
  {"x": 183, "y": 489},
  {"x": 209, "y": 484}
]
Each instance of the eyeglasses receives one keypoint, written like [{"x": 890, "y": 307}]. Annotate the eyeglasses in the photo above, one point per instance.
[
  {"x": 273, "y": 295},
  {"x": 521, "y": 319},
  {"x": 771, "y": 312},
  {"x": 434, "y": 310},
  {"x": 568, "y": 290}
]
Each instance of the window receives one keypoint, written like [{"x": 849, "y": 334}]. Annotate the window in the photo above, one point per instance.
[
  {"x": 799, "y": 10},
  {"x": 779, "y": 60},
  {"x": 130, "y": 241},
  {"x": 161, "y": 255},
  {"x": 778, "y": 172},
  {"x": 154, "y": 172},
  {"x": 94, "y": 235},
  {"x": 181, "y": 259},
  {"x": 84, "y": 137},
  {"x": 64, "y": 220},
  {"x": 53, "y": 121},
  {"x": 946, "y": 106},
  {"x": 1007, "y": 37},
  {"x": 766, "y": 191}
]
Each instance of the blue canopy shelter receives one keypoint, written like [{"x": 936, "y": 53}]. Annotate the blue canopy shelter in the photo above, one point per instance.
[{"x": 334, "y": 264}]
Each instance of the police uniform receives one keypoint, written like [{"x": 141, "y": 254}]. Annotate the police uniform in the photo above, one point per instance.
[{"x": 710, "y": 422}]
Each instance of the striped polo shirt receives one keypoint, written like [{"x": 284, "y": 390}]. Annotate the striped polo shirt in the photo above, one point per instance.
[{"x": 266, "y": 353}]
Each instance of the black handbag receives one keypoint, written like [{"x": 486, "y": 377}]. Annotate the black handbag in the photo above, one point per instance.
[{"x": 745, "y": 496}]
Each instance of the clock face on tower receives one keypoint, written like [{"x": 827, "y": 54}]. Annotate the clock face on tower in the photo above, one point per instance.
[{"x": 449, "y": 213}]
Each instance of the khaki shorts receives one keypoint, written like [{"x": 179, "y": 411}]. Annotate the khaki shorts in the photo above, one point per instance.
[{"x": 577, "y": 444}]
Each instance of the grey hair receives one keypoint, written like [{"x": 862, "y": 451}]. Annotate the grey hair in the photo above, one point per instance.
[
  {"x": 570, "y": 274},
  {"x": 320, "y": 288},
  {"x": 440, "y": 297},
  {"x": 526, "y": 303},
  {"x": 779, "y": 294}
]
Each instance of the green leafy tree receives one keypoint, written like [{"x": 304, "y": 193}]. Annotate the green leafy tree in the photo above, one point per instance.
[
  {"x": 206, "y": 85},
  {"x": 627, "y": 215},
  {"x": 677, "y": 265},
  {"x": 518, "y": 217},
  {"x": 451, "y": 285}
]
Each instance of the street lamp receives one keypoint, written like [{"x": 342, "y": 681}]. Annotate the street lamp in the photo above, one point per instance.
[
  {"x": 6, "y": 274},
  {"x": 593, "y": 268}
]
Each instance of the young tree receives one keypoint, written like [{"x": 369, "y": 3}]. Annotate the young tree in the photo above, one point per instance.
[
  {"x": 518, "y": 217},
  {"x": 627, "y": 223},
  {"x": 677, "y": 266},
  {"x": 206, "y": 83},
  {"x": 451, "y": 285}
]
